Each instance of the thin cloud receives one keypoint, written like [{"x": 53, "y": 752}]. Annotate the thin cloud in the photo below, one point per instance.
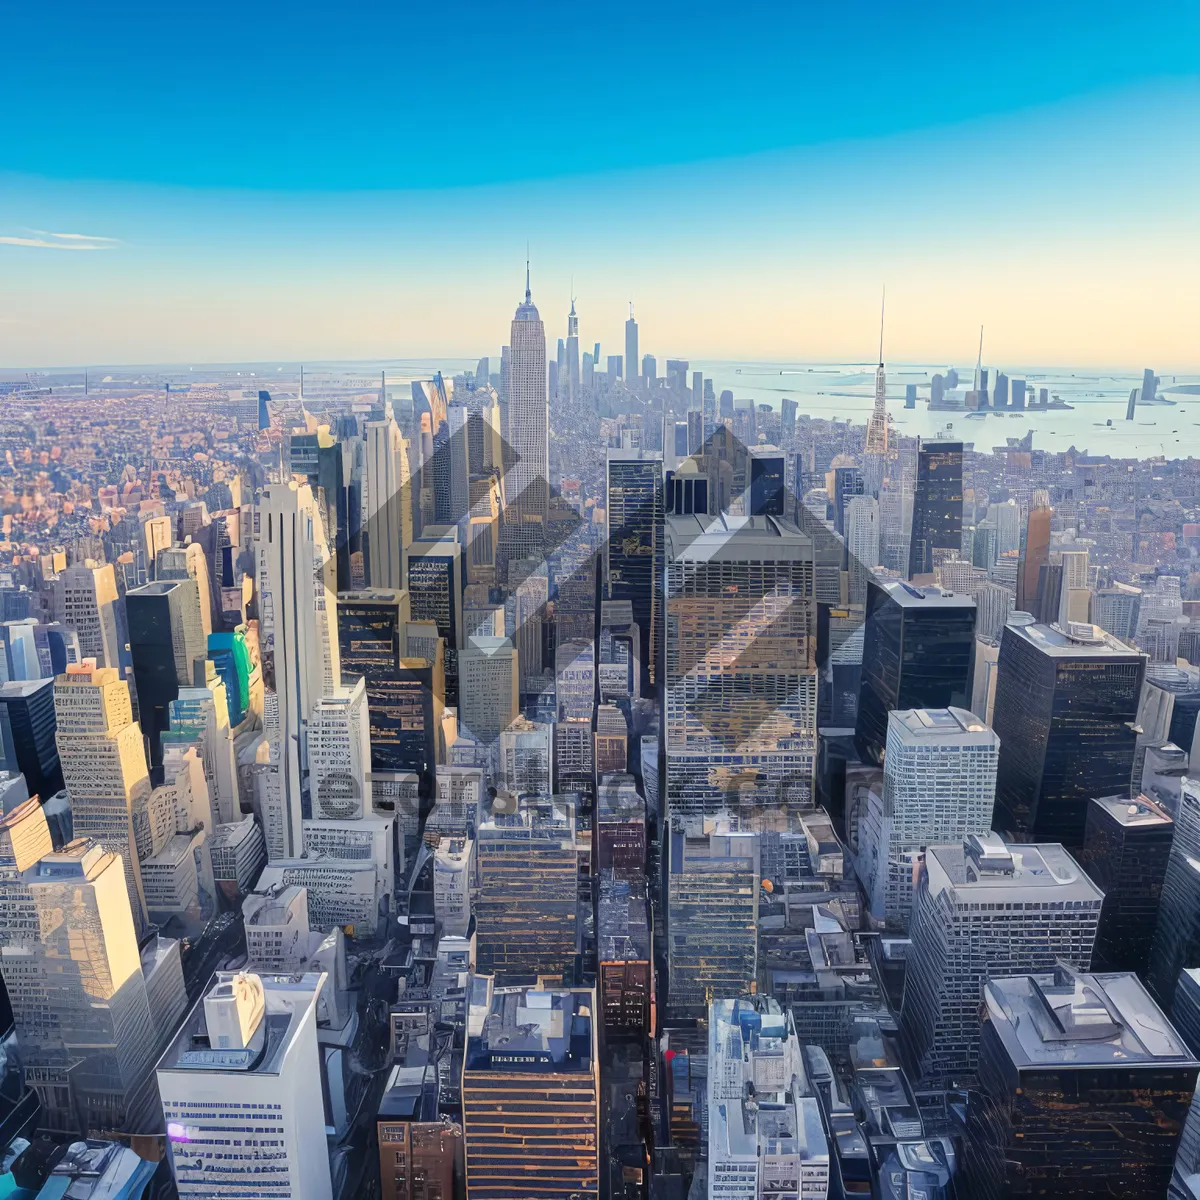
[
  {"x": 45, "y": 240},
  {"x": 75, "y": 237}
]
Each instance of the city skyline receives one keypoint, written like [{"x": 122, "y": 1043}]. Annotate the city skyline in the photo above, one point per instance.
[{"x": 1039, "y": 203}]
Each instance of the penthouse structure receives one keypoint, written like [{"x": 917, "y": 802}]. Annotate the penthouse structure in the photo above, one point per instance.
[
  {"x": 1084, "y": 1088},
  {"x": 244, "y": 1070},
  {"x": 531, "y": 1095},
  {"x": 623, "y": 947},
  {"x": 740, "y": 673},
  {"x": 985, "y": 908}
]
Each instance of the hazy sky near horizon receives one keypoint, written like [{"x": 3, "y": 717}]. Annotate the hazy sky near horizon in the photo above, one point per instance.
[{"x": 268, "y": 182}]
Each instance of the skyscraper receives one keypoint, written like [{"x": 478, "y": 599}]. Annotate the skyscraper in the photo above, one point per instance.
[
  {"x": 433, "y": 574},
  {"x": 526, "y": 914},
  {"x": 877, "y": 426},
  {"x": 1084, "y": 1089},
  {"x": 104, "y": 766},
  {"x": 939, "y": 786},
  {"x": 634, "y": 549},
  {"x": 298, "y": 614},
  {"x": 531, "y": 1053},
  {"x": 937, "y": 506},
  {"x": 27, "y": 729},
  {"x": 917, "y": 653},
  {"x": 387, "y": 504},
  {"x": 86, "y": 1033},
  {"x": 862, "y": 543},
  {"x": 86, "y": 600},
  {"x": 1176, "y": 942},
  {"x": 740, "y": 663},
  {"x": 489, "y": 679},
  {"x": 1065, "y": 705},
  {"x": 527, "y": 481},
  {"x": 1035, "y": 551},
  {"x": 1126, "y": 846},
  {"x": 573, "y": 377},
  {"x": 166, "y": 637},
  {"x": 339, "y": 754},
  {"x": 712, "y": 917},
  {"x": 985, "y": 908},
  {"x": 245, "y": 1068},
  {"x": 631, "y": 349}
]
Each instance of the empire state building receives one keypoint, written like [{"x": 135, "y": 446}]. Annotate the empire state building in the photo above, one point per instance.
[{"x": 526, "y": 484}]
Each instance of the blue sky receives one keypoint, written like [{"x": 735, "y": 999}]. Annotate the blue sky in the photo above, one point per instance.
[{"x": 360, "y": 180}]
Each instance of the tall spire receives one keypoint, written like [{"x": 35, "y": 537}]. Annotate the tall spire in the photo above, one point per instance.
[
  {"x": 979, "y": 361},
  {"x": 882, "y": 304},
  {"x": 631, "y": 310},
  {"x": 877, "y": 425},
  {"x": 527, "y": 292}
]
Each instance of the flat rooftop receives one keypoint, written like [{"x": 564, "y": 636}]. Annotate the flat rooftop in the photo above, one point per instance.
[
  {"x": 1010, "y": 869},
  {"x": 1077, "y": 1020},
  {"x": 1085, "y": 641},
  {"x": 528, "y": 1029},
  {"x": 909, "y": 596}
]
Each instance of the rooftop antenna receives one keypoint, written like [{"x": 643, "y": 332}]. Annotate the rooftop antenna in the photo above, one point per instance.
[
  {"x": 527, "y": 293},
  {"x": 631, "y": 310}
]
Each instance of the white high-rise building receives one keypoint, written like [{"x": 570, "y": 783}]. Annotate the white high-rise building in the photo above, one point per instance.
[
  {"x": 453, "y": 873},
  {"x": 985, "y": 908},
  {"x": 939, "y": 786},
  {"x": 103, "y": 758},
  {"x": 526, "y": 483},
  {"x": 339, "y": 754},
  {"x": 489, "y": 697},
  {"x": 1075, "y": 599},
  {"x": 862, "y": 543},
  {"x": 201, "y": 715},
  {"x": 765, "y": 1134},
  {"x": 573, "y": 381},
  {"x": 298, "y": 637},
  {"x": 84, "y": 1026},
  {"x": 244, "y": 1071},
  {"x": 387, "y": 506},
  {"x": 86, "y": 601}
]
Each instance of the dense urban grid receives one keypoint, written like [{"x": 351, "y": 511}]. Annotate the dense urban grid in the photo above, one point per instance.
[{"x": 562, "y": 779}]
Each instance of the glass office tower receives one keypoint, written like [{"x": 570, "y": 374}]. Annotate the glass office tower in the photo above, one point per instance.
[
  {"x": 917, "y": 653},
  {"x": 1066, "y": 703}
]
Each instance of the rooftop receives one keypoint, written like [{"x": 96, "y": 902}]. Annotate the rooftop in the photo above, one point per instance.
[
  {"x": 935, "y": 724},
  {"x": 908, "y": 596},
  {"x": 986, "y": 868},
  {"x": 530, "y": 1029},
  {"x": 1071, "y": 1019},
  {"x": 1078, "y": 641},
  {"x": 1134, "y": 814},
  {"x": 698, "y": 538}
]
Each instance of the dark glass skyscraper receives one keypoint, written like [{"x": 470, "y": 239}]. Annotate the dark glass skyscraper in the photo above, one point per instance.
[
  {"x": 937, "y": 505},
  {"x": 1125, "y": 849},
  {"x": 1083, "y": 1090},
  {"x": 917, "y": 653},
  {"x": 27, "y": 728},
  {"x": 165, "y": 639},
  {"x": 634, "y": 552},
  {"x": 401, "y": 700},
  {"x": 1065, "y": 706}
]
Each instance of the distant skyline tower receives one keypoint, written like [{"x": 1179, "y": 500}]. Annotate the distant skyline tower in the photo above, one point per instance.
[
  {"x": 573, "y": 380},
  {"x": 527, "y": 488},
  {"x": 877, "y": 427},
  {"x": 631, "y": 349}
]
